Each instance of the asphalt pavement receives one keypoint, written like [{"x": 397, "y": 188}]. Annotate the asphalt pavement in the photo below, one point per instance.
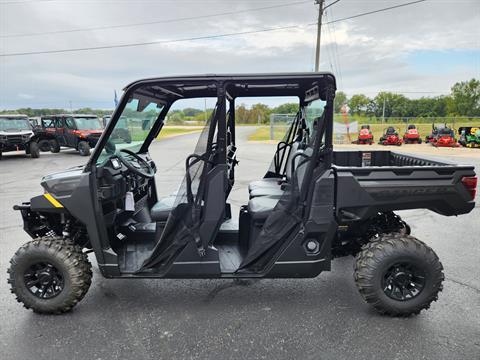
[{"x": 321, "y": 318}]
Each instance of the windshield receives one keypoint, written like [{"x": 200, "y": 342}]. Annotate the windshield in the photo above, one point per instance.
[
  {"x": 132, "y": 128},
  {"x": 12, "y": 124},
  {"x": 88, "y": 123},
  {"x": 313, "y": 111}
]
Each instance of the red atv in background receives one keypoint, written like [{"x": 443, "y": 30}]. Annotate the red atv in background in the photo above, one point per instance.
[
  {"x": 390, "y": 137},
  {"x": 411, "y": 135},
  {"x": 365, "y": 136}
]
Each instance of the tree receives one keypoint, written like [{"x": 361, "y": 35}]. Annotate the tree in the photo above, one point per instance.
[
  {"x": 358, "y": 104},
  {"x": 191, "y": 112},
  {"x": 340, "y": 100},
  {"x": 396, "y": 105},
  {"x": 260, "y": 112},
  {"x": 288, "y": 108},
  {"x": 241, "y": 113},
  {"x": 465, "y": 98}
]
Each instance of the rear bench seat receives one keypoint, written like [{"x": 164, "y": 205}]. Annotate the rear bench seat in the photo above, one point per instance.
[
  {"x": 259, "y": 207},
  {"x": 273, "y": 186}
]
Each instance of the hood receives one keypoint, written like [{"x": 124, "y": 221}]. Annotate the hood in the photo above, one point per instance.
[
  {"x": 16, "y": 132},
  {"x": 90, "y": 132},
  {"x": 64, "y": 182}
]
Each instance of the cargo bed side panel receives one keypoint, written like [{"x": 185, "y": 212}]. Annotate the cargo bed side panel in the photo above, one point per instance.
[{"x": 361, "y": 192}]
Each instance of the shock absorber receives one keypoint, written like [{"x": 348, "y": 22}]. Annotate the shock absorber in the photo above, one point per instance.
[{"x": 67, "y": 228}]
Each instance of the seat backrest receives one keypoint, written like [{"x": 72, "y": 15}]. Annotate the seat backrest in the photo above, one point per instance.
[
  {"x": 288, "y": 166},
  {"x": 301, "y": 163}
]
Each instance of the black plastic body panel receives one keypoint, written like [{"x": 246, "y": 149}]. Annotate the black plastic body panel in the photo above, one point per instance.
[{"x": 393, "y": 181}]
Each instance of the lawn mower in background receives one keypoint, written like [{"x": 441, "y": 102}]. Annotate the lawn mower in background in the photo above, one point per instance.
[
  {"x": 365, "y": 136},
  {"x": 411, "y": 135},
  {"x": 390, "y": 137},
  {"x": 445, "y": 137},
  {"x": 469, "y": 136}
]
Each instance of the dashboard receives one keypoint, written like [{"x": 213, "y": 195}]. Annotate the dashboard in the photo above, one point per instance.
[{"x": 115, "y": 180}]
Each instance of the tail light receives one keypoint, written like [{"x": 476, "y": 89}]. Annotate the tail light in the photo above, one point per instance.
[{"x": 471, "y": 184}]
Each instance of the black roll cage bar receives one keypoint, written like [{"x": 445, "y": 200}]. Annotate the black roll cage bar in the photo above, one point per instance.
[{"x": 221, "y": 82}]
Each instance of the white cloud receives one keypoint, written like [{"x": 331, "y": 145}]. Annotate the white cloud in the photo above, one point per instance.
[{"x": 368, "y": 54}]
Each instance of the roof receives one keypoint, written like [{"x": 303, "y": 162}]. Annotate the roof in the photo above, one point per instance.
[
  {"x": 242, "y": 85},
  {"x": 14, "y": 116},
  {"x": 72, "y": 115},
  {"x": 292, "y": 75}
]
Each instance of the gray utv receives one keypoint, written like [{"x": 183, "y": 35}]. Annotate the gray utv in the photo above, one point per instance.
[
  {"x": 313, "y": 204},
  {"x": 16, "y": 133}
]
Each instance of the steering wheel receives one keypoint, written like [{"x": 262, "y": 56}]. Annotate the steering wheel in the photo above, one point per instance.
[{"x": 142, "y": 167}]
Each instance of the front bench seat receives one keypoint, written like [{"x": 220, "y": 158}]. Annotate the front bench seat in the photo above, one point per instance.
[
  {"x": 260, "y": 207},
  {"x": 161, "y": 210}
]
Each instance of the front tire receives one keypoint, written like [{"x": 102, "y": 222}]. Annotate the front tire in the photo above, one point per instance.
[
  {"x": 34, "y": 150},
  {"x": 54, "y": 146},
  {"x": 398, "y": 275},
  {"x": 50, "y": 275},
  {"x": 83, "y": 148}
]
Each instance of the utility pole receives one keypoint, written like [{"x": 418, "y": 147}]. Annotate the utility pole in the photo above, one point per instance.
[
  {"x": 321, "y": 10},
  {"x": 383, "y": 112},
  {"x": 319, "y": 33},
  {"x": 205, "y": 108}
]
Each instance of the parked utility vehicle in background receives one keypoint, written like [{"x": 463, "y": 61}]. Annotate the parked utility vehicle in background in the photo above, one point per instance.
[
  {"x": 80, "y": 132},
  {"x": 313, "y": 204},
  {"x": 17, "y": 134},
  {"x": 122, "y": 132}
]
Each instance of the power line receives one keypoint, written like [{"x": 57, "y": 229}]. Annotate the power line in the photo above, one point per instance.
[
  {"x": 165, "y": 21},
  {"x": 207, "y": 37},
  {"x": 376, "y": 11}
]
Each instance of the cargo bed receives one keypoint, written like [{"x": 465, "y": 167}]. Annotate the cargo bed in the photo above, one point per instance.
[{"x": 371, "y": 181}]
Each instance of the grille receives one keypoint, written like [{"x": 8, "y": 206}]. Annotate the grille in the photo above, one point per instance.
[{"x": 15, "y": 139}]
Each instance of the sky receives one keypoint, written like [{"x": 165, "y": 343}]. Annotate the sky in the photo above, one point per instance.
[{"x": 418, "y": 50}]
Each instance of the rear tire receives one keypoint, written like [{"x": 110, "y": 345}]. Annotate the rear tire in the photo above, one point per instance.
[
  {"x": 398, "y": 275},
  {"x": 83, "y": 148},
  {"x": 50, "y": 275},
  {"x": 54, "y": 146},
  {"x": 44, "y": 145},
  {"x": 34, "y": 150}
]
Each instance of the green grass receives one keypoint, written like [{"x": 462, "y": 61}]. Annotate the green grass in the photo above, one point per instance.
[
  {"x": 263, "y": 133},
  {"x": 168, "y": 131}
]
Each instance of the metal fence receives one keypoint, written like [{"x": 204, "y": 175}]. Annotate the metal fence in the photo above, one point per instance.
[{"x": 279, "y": 124}]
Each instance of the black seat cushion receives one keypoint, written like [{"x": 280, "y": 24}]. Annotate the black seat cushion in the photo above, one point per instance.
[
  {"x": 160, "y": 211},
  {"x": 260, "y": 207},
  {"x": 273, "y": 192},
  {"x": 264, "y": 183}
]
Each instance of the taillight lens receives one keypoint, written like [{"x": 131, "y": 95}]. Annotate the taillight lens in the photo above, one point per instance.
[{"x": 471, "y": 184}]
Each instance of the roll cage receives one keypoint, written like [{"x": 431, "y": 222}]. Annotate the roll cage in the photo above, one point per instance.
[{"x": 226, "y": 88}]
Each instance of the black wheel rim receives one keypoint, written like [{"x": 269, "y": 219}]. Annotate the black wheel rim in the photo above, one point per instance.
[
  {"x": 44, "y": 280},
  {"x": 403, "y": 281}
]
